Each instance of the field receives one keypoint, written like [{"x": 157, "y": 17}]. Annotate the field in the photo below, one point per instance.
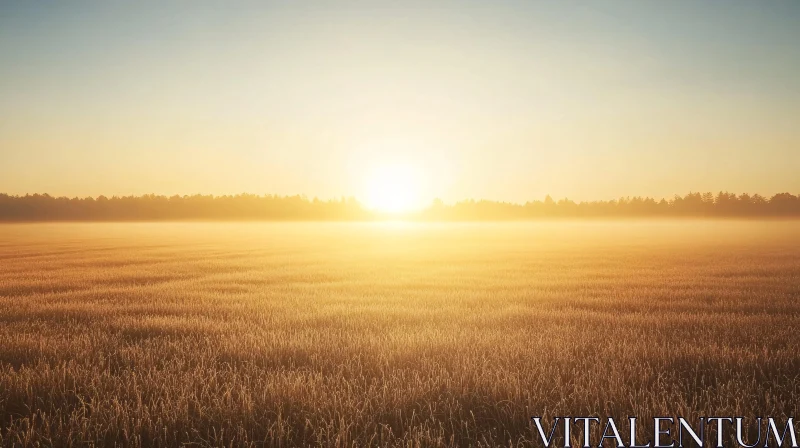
[{"x": 388, "y": 334}]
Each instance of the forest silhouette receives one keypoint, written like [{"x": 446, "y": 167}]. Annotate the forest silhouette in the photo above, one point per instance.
[{"x": 151, "y": 207}]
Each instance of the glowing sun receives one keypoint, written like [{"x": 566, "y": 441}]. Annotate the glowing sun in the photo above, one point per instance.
[{"x": 393, "y": 189}]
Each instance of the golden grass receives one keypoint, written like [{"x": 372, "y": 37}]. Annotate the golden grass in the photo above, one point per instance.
[{"x": 388, "y": 334}]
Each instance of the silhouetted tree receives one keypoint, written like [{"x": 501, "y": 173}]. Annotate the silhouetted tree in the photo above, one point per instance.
[{"x": 43, "y": 207}]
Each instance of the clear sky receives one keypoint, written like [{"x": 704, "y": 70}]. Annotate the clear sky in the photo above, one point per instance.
[{"x": 505, "y": 100}]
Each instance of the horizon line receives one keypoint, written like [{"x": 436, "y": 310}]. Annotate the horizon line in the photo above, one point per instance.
[{"x": 431, "y": 202}]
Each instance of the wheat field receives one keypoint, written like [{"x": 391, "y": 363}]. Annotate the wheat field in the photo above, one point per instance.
[{"x": 388, "y": 334}]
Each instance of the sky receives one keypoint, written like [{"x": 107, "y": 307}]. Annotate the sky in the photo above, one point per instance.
[{"x": 501, "y": 100}]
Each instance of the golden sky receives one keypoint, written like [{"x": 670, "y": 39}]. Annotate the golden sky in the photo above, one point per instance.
[{"x": 498, "y": 100}]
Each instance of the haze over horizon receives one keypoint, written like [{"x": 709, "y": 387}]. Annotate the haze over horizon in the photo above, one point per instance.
[{"x": 506, "y": 101}]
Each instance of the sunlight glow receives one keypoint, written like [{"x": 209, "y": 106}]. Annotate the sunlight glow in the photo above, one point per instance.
[{"x": 393, "y": 188}]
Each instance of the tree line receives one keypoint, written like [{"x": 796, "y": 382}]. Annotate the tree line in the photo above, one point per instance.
[{"x": 43, "y": 207}]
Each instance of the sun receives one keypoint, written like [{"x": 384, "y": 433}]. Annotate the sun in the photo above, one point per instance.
[{"x": 393, "y": 188}]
